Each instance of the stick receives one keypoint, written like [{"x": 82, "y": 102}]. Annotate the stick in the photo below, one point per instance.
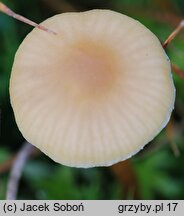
[
  {"x": 174, "y": 67},
  {"x": 16, "y": 170},
  {"x": 125, "y": 174},
  {"x": 173, "y": 34},
  {"x": 170, "y": 133},
  {"x": 9, "y": 12},
  {"x": 177, "y": 71}
]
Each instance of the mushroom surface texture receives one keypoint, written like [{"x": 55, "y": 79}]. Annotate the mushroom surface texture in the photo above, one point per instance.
[{"x": 95, "y": 93}]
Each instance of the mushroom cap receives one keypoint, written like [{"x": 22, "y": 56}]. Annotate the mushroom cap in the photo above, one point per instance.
[{"x": 95, "y": 93}]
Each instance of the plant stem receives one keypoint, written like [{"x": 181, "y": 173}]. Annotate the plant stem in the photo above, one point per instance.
[
  {"x": 9, "y": 12},
  {"x": 173, "y": 34}
]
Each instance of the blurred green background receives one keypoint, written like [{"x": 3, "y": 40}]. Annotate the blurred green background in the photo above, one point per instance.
[{"x": 157, "y": 172}]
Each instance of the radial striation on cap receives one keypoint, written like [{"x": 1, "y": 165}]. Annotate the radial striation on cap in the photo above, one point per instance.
[{"x": 95, "y": 93}]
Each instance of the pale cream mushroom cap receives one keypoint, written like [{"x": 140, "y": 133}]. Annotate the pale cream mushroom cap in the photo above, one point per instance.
[{"x": 95, "y": 93}]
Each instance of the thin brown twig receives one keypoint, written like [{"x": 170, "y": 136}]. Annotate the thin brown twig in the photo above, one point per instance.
[
  {"x": 177, "y": 71},
  {"x": 125, "y": 174},
  {"x": 16, "y": 170},
  {"x": 173, "y": 34},
  {"x": 9, "y": 12},
  {"x": 170, "y": 133},
  {"x": 174, "y": 67}
]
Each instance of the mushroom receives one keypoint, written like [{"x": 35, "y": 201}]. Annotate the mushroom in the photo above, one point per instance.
[{"x": 96, "y": 92}]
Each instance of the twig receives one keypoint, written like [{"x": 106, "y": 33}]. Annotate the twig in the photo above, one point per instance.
[
  {"x": 174, "y": 67},
  {"x": 177, "y": 71},
  {"x": 9, "y": 12},
  {"x": 173, "y": 34},
  {"x": 170, "y": 133},
  {"x": 16, "y": 170},
  {"x": 125, "y": 174}
]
